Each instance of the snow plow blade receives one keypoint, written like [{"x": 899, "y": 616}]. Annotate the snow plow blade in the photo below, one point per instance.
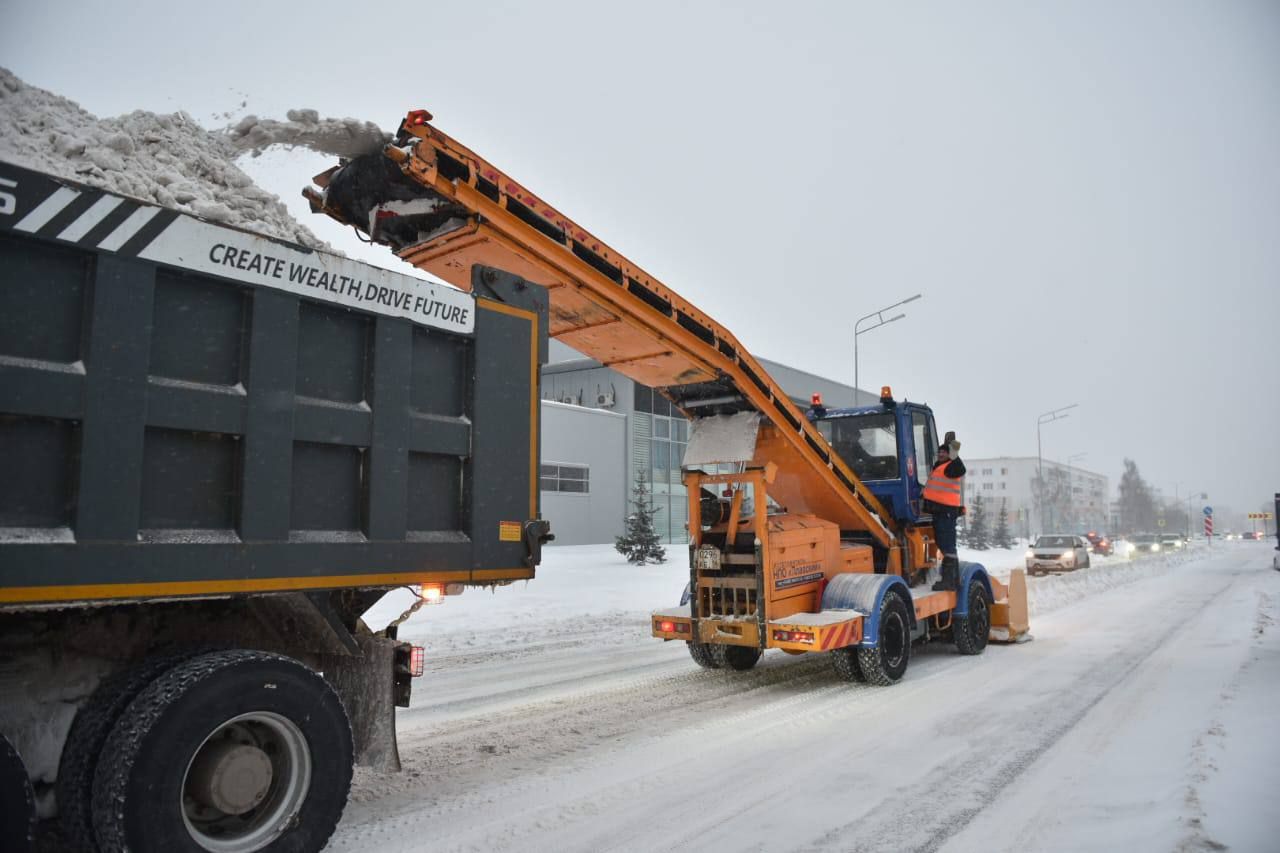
[{"x": 1009, "y": 621}]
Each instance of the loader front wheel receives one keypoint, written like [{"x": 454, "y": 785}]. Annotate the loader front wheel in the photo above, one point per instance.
[
  {"x": 702, "y": 656},
  {"x": 972, "y": 631},
  {"x": 739, "y": 658},
  {"x": 886, "y": 662}
]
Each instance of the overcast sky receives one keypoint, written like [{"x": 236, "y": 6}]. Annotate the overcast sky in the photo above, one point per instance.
[{"x": 1086, "y": 193}]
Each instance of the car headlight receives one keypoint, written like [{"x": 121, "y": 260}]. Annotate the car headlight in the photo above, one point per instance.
[
  {"x": 1030, "y": 554},
  {"x": 1155, "y": 547}
]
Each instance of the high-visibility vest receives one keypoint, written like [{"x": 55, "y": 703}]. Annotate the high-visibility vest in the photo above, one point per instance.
[{"x": 942, "y": 489}]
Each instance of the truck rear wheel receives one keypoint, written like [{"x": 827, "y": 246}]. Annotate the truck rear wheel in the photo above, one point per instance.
[
  {"x": 886, "y": 662},
  {"x": 972, "y": 631},
  {"x": 17, "y": 802},
  {"x": 231, "y": 751},
  {"x": 89, "y": 731},
  {"x": 736, "y": 657},
  {"x": 702, "y": 656},
  {"x": 846, "y": 664}
]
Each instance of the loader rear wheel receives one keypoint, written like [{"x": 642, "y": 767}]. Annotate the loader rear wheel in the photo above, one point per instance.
[
  {"x": 886, "y": 662},
  {"x": 846, "y": 664},
  {"x": 972, "y": 631},
  {"x": 702, "y": 656},
  {"x": 739, "y": 658},
  {"x": 233, "y": 751}
]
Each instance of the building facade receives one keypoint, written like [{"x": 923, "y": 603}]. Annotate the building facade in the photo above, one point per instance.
[{"x": 1074, "y": 500}]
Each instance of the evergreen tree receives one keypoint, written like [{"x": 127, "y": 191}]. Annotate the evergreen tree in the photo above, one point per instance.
[
  {"x": 978, "y": 526},
  {"x": 640, "y": 543},
  {"x": 1137, "y": 506},
  {"x": 1001, "y": 535}
]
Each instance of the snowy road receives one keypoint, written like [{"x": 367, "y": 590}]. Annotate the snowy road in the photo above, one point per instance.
[{"x": 1138, "y": 719}]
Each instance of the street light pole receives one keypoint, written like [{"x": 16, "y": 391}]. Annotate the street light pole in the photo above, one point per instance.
[
  {"x": 879, "y": 315},
  {"x": 1047, "y": 417}
]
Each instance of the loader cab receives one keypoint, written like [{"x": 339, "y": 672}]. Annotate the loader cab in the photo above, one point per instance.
[{"x": 890, "y": 446}]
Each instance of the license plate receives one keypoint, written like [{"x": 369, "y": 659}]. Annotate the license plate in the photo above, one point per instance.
[{"x": 707, "y": 559}]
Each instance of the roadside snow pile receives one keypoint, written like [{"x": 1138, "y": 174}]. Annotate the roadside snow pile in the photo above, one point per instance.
[
  {"x": 342, "y": 137},
  {"x": 1046, "y": 594},
  {"x": 169, "y": 160}
]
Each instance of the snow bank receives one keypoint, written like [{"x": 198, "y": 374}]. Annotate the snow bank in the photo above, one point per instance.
[{"x": 169, "y": 160}]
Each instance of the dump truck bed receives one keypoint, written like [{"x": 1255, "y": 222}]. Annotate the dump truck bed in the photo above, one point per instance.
[{"x": 191, "y": 410}]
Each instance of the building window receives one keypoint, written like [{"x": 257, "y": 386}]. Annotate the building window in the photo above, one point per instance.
[
  {"x": 566, "y": 478},
  {"x": 1004, "y": 472},
  {"x": 988, "y": 487},
  {"x": 1002, "y": 487},
  {"x": 986, "y": 472}
]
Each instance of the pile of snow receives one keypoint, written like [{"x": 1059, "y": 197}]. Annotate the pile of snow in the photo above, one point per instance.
[{"x": 169, "y": 160}]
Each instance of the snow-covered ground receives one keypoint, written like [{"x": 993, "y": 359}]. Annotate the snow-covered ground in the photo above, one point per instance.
[{"x": 1139, "y": 719}]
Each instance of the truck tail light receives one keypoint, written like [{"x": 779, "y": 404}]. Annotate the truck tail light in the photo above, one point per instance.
[
  {"x": 417, "y": 661},
  {"x": 793, "y": 636},
  {"x": 670, "y": 626},
  {"x": 432, "y": 593}
]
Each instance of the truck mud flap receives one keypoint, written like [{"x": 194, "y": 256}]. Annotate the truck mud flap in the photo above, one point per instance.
[{"x": 367, "y": 685}]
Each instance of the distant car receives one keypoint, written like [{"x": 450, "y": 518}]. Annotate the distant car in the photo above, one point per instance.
[
  {"x": 1146, "y": 543},
  {"x": 1254, "y": 535},
  {"x": 1100, "y": 544},
  {"x": 1171, "y": 542},
  {"x": 1058, "y": 553}
]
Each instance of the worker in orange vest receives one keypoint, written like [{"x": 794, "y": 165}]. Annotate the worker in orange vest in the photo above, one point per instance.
[{"x": 944, "y": 500}]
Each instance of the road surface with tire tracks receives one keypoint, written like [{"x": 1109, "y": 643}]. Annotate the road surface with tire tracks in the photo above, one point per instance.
[{"x": 1134, "y": 720}]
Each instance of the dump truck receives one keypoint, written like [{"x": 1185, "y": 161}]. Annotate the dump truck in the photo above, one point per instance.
[
  {"x": 219, "y": 450},
  {"x": 807, "y": 528}
]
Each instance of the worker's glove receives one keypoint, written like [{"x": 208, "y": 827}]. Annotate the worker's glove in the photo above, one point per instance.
[
  {"x": 963, "y": 511},
  {"x": 955, "y": 448}
]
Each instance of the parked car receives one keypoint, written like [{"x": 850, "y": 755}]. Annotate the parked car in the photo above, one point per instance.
[
  {"x": 1100, "y": 544},
  {"x": 1146, "y": 543},
  {"x": 1171, "y": 542},
  {"x": 1058, "y": 553}
]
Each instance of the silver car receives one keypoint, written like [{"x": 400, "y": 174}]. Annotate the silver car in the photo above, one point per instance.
[{"x": 1058, "y": 553}]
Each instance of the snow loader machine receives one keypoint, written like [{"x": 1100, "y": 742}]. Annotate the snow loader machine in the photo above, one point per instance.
[{"x": 807, "y": 529}]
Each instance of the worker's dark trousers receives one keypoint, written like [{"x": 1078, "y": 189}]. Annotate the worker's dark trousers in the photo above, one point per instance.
[{"x": 944, "y": 529}]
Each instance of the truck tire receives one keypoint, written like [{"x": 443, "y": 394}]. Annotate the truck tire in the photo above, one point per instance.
[
  {"x": 703, "y": 656},
  {"x": 846, "y": 664},
  {"x": 886, "y": 662},
  {"x": 740, "y": 658},
  {"x": 241, "y": 750},
  {"x": 972, "y": 631},
  {"x": 17, "y": 802},
  {"x": 89, "y": 731}
]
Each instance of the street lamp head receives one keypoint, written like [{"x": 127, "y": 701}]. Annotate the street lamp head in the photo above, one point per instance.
[
  {"x": 899, "y": 317},
  {"x": 911, "y": 299}
]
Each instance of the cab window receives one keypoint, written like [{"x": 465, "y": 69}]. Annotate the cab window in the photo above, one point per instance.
[
  {"x": 926, "y": 445},
  {"x": 867, "y": 443}
]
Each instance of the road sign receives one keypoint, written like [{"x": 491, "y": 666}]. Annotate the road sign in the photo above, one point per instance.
[
  {"x": 1264, "y": 516},
  {"x": 1159, "y": 522},
  {"x": 1208, "y": 510}
]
